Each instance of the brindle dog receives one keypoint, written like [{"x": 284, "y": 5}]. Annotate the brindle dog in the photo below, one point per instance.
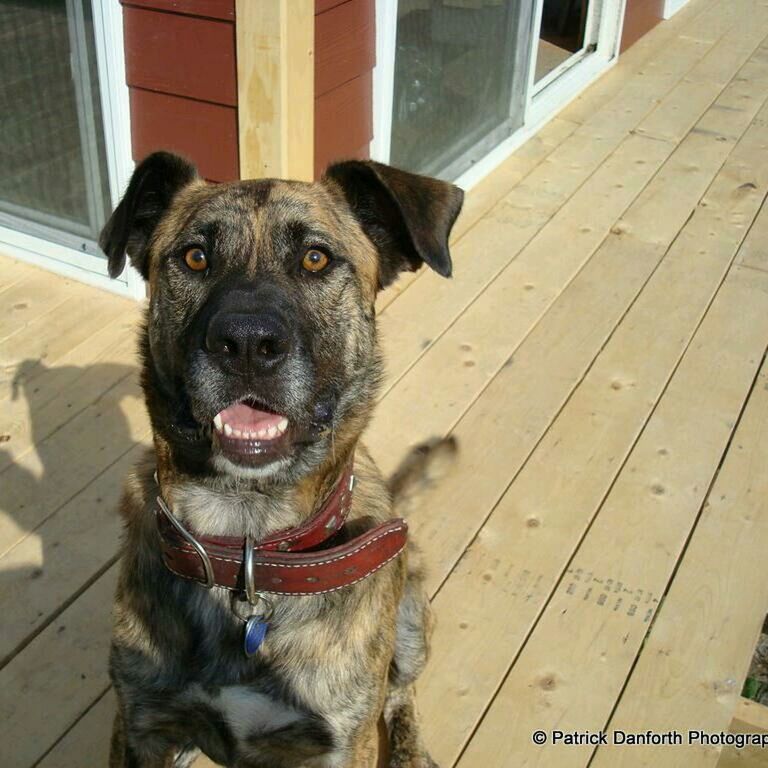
[{"x": 262, "y": 299}]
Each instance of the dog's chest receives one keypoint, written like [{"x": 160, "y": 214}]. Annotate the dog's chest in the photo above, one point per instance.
[
  {"x": 247, "y": 712},
  {"x": 297, "y": 713},
  {"x": 294, "y": 701},
  {"x": 238, "y": 723}
]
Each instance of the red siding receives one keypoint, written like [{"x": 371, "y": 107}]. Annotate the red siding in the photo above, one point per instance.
[
  {"x": 213, "y": 9},
  {"x": 321, "y": 6},
  {"x": 345, "y": 46},
  {"x": 182, "y": 75},
  {"x": 344, "y": 122},
  {"x": 204, "y": 132},
  {"x": 640, "y": 17},
  {"x": 182, "y": 55}
]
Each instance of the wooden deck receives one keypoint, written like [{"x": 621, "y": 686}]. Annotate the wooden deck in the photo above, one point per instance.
[{"x": 597, "y": 560}]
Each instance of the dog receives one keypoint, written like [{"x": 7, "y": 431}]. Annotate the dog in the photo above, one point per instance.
[{"x": 268, "y": 611}]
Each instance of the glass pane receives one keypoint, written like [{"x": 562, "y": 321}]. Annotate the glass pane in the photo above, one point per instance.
[
  {"x": 52, "y": 154},
  {"x": 459, "y": 67},
  {"x": 563, "y": 27}
]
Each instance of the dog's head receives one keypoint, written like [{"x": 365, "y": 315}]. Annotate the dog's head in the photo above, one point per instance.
[{"x": 260, "y": 346}]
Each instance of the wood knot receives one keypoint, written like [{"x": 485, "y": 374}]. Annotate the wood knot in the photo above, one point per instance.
[{"x": 548, "y": 683}]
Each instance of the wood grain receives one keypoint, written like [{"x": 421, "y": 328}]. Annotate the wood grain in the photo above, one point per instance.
[{"x": 275, "y": 75}]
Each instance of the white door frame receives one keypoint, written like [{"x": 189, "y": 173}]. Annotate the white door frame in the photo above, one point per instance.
[
  {"x": 574, "y": 78},
  {"x": 68, "y": 261},
  {"x": 540, "y": 107},
  {"x": 384, "y": 78}
]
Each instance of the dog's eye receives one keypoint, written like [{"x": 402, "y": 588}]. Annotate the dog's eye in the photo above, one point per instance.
[
  {"x": 315, "y": 261},
  {"x": 196, "y": 260}
]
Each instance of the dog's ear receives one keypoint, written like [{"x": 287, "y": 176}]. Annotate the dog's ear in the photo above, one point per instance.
[
  {"x": 407, "y": 217},
  {"x": 152, "y": 187}
]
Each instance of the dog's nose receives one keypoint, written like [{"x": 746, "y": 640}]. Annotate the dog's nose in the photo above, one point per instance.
[{"x": 257, "y": 342}]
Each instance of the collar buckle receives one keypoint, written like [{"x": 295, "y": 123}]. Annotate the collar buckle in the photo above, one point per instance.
[{"x": 194, "y": 543}]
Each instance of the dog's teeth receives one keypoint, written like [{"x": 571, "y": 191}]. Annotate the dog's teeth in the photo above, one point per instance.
[
  {"x": 217, "y": 422},
  {"x": 272, "y": 431},
  {"x": 282, "y": 425},
  {"x": 236, "y": 433},
  {"x": 227, "y": 430},
  {"x": 263, "y": 434}
]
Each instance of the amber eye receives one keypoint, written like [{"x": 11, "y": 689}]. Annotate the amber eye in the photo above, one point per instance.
[
  {"x": 315, "y": 261},
  {"x": 196, "y": 260}
]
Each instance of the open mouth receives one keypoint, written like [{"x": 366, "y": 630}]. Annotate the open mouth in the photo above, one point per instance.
[{"x": 248, "y": 432}]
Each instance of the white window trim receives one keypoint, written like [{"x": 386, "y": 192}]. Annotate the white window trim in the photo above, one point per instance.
[
  {"x": 541, "y": 106},
  {"x": 87, "y": 268}
]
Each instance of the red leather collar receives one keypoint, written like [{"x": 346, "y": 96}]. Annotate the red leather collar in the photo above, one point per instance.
[{"x": 281, "y": 564}]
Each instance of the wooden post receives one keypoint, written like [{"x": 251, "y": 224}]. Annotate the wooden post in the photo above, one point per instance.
[{"x": 276, "y": 88}]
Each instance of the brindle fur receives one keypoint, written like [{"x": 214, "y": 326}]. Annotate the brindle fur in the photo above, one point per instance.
[{"x": 332, "y": 664}]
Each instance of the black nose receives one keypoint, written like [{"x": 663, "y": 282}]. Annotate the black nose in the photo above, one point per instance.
[{"x": 257, "y": 342}]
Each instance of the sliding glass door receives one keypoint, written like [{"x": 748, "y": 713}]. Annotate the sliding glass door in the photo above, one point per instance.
[
  {"x": 53, "y": 158},
  {"x": 468, "y": 74},
  {"x": 459, "y": 80},
  {"x": 65, "y": 153},
  {"x": 567, "y": 31}
]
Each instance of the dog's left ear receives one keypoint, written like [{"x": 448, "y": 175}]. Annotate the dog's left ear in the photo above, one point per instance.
[
  {"x": 129, "y": 229},
  {"x": 407, "y": 217}
]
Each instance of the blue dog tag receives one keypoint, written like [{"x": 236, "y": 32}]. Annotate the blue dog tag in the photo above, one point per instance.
[{"x": 255, "y": 632}]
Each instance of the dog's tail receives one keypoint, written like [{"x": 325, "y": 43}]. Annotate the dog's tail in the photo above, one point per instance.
[{"x": 423, "y": 466}]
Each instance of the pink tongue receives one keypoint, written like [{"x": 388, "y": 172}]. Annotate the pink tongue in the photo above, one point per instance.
[{"x": 243, "y": 417}]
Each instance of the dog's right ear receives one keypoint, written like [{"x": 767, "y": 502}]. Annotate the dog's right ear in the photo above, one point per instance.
[{"x": 152, "y": 187}]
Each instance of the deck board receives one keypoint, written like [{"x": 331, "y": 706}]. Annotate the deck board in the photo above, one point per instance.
[
  {"x": 40, "y": 482},
  {"x": 576, "y": 660},
  {"x": 602, "y": 276},
  {"x": 13, "y": 272},
  {"x": 30, "y": 299},
  {"x": 67, "y": 664},
  {"x": 76, "y": 388},
  {"x": 690, "y": 669}
]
